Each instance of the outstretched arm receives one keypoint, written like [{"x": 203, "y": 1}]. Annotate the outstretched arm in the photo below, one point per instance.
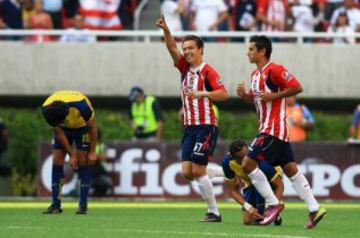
[{"x": 169, "y": 40}]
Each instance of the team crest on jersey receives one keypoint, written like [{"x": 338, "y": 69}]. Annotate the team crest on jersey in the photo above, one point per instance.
[{"x": 286, "y": 75}]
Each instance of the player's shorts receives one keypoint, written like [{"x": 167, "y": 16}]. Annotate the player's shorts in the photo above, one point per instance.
[
  {"x": 273, "y": 150},
  {"x": 79, "y": 136},
  {"x": 254, "y": 198},
  {"x": 198, "y": 143}
]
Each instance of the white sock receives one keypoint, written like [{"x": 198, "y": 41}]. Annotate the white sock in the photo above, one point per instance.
[
  {"x": 215, "y": 172},
  {"x": 261, "y": 184},
  {"x": 207, "y": 193},
  {"x": 303, "y": 189}
]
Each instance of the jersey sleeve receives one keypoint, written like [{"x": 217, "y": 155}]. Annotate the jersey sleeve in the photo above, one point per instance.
[
  {"x": 182, "y": 66},
  {"x": 283, "y": 78},
  {"x": 86, "y": 110},
  {"x": 229, "y": 174},
  {"x": 268, "y": 170},
  {"x": 212, "y": 78}
]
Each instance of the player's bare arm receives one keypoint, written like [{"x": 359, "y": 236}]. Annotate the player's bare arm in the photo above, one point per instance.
[
  {"x": 216, "y": 95},
  {"x": 60, "y": 135},
  {"x": 93, "y": 138},
  {"x": 267, "y": 97},
  {"x": 241, "y": 92},
  {"x": 169, "y": 40},
  {"x": 235, "y": 193}
]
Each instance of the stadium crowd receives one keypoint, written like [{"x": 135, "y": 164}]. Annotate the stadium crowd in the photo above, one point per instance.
[{"x": 199, "y": 15}]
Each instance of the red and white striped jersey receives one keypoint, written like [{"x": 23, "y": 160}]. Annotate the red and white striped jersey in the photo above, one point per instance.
[
  {"x": 272, "y": 115},
  {"x": 101, "y": 14},
  {"x": 202, "y": 78}
]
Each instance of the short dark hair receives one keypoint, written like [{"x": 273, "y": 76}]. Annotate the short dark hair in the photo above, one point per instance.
[
  {"x": 199, "y": 42},
  {"x": 236, "y": 146},
  {"x": 262, "y": 42},
  {"x": 55, "y": 113}
]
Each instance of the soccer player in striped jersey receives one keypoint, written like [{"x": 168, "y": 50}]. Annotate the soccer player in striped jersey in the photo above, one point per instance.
[
  {"x": 201, "y": 85},
  {"x": 270, "y": 85}
]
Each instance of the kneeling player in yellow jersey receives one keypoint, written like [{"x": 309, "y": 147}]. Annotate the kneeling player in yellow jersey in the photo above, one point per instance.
[
  {"x": 72, "y": 117},
  {"x": 252, "y": 202}
]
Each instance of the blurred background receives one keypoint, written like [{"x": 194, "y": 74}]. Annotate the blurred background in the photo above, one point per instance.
[{"x": 104, "y": 48}]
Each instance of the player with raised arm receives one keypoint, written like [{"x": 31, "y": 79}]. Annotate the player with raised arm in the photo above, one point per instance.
[
  {"x": 270, "y": 85},
  {"x": 201, "y": 85}
]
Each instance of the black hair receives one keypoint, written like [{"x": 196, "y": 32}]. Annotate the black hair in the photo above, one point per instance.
[
  {"x": 236, "y": 146},
  {"x": 199, "y": 42},
  {"x": 262, "y": 42},
  {"x": 55, "y": 113}
]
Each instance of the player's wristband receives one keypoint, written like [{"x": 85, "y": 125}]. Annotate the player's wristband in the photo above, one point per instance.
[{"x": 247, "y": 206}]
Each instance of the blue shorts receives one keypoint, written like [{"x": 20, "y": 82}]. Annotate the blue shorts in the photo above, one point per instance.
[
  {"x": 198, "y": 143},
  {"x": 274, "y": 151},
  {"x": 80, "y": 136},
  {"x": 254, "y": 198}
]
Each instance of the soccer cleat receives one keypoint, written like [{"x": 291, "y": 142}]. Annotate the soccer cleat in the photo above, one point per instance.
[
  {"x": 315, "y": 217},
  {"x": 211, "y": 217},
  {"x": 271, "y": 213},
  {"x": 82, "y": 210},
  {"x": 278, "y": 221},
  {"x": 53, "y": 209}
]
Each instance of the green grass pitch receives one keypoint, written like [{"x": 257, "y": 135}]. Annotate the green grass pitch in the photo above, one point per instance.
[{"x": 167, "y": 219}]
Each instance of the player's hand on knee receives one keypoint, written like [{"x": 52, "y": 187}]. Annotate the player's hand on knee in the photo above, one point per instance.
[{"x": 74, "y": 162}]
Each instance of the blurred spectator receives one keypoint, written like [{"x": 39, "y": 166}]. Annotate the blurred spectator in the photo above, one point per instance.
[
  {"x": 71, "y": 8},
  {"x": 303, "y": 18},
  {"x": 172, "y": 10},
  {"x": 354, "y": 131},
  {"x": 330, "y": 7},
  {"x": 101, "y": 14},
  {"x": 10, "y": 17},
  {"x": 146, "y": 116},
  {"x": 39, "y": 20},
  {"x": 206, "y": 15},
  {"x": 101, "y": 181},
  {"x": 273, "y": 14},
  {"x": 53, "y": 8},
  {"x": 300, "y": 120},
  {"x": 27, "y": 10},
  {"x": 78, "y": 33},
  {"x": 4, "y": 140},
  {"x": 126, "y": 13},
  {"x": 342, "y": 26},
  {"x": 352, "y": 13},
  {"x": 244, "y": 15}
]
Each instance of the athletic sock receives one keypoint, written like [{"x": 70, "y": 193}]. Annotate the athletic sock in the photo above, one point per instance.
[
  {"x": 213, "y": 172},
  {"x": 207, "y": 193},
  {"x": 84, "y": 175},
  {"x": 56, "y": 176},
  {"x": 303, "y": 189},
  {"x": 261, "y": 184}
]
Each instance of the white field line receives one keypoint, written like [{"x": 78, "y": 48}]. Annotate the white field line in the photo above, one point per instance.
[
  {"x": 185, "y": 233},
  {"x": 105, "y": 204}
]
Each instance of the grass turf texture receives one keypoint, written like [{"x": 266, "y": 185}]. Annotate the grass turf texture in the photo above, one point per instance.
[{"x": 167, "y": 219}]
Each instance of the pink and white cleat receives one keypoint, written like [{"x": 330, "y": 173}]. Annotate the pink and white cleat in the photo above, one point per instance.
[{"x": 271, "y": 213}]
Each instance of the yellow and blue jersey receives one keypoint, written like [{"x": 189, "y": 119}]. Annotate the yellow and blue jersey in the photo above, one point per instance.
[
  {"x": 233, "y": 171},
  {"x": 80, "y": 108}
]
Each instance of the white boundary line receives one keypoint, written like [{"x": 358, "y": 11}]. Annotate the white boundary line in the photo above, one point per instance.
[{"x": 185, "y": 233}]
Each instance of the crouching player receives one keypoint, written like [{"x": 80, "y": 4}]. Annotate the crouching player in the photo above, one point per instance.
[
  {"x": 73, "y": 120},
  {"x": 252, "y": 202}
]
